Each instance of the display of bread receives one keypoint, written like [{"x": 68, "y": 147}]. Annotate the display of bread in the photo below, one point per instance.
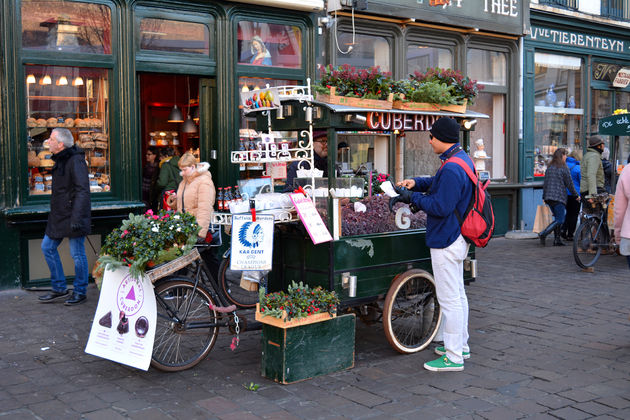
[
  {"x": 52, "y": 122},
  {"x": 97, "y": 161},
  {"x": 33, "y": 160},
  {"x": 41, "y": 122},
  {"x": 31, "y": 122},
  {"x": 69, "y": 122},
  {"x": 100, "y": 136}
]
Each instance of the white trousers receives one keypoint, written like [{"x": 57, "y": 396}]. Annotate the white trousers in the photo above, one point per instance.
[{"x": 448, "y": 271}]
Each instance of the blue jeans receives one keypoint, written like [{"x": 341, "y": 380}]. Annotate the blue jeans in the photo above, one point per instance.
[
  {"x": 559, "y": 211},
  {"x": 57, "y": 277}
]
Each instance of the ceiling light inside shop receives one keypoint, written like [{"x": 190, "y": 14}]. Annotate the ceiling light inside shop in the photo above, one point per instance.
[
  {"x": 78, "y": 81},
  {"x": 62, "y": 81},
  {"x": 189, "y": 126},
  {"x": 176, "y": 115},
  {"x": 30, "y": 79},
  {"x": 46, "y": 80}
]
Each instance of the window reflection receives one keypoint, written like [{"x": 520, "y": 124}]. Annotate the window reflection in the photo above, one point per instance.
[
  {"x": 367, "y": 51},
  {"x": 174, "y": 36},
  {"x": 421, "y": 57},
  {"x": 267, "y": 44},
  {"x": 66, "y": 26}
]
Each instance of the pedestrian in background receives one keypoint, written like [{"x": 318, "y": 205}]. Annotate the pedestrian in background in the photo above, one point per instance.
[
  {"x": 169, "y": 177},
  {"x": 69, "y": 217},
  {"x": 441, "y": 197},
  {"x": 573, "y": 202},
  {"x": 591, "y": 169},
  {"x": 557, "y": 181},
  {"x": 622, "y": 212},
  {"x": 608, "y": 169},
  {"x": 150, "y": 173}
]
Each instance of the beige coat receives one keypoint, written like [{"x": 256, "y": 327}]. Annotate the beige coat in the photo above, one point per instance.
[
  {"x": 196, "y": 195},
  {"x": 622, "y": 205}
]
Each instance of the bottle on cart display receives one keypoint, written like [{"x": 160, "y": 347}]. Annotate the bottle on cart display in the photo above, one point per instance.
[
  {"x": 227, "y": 198},
  {"x": 220, "y": 200},
  {"x": 237, "y": 195}
]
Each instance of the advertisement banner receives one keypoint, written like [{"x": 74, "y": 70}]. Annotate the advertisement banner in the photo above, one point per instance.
[
  {"x": 311, "y": 219},
  {"x": 123, "y": 328},
  {"x": 252, "y": 242}
]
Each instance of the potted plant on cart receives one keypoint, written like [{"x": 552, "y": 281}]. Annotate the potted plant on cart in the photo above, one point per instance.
[
  {"x": 449, "y": 88},
  {"x": 148, "y": 240},
  {"x": 300, "y": 305},
  {"x": 345, "y": 85}
]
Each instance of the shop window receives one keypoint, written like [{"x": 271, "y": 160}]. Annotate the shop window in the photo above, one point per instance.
[
  {"x": 174, "y": 36},
  {"x": 367, "y": 51},
  {"x": 558, "y": 107},
  {"x": 268, "y": 44},
  {"x": 75, "y": 98},
  {"x": 250, "y": 139},
  {"x": 487, "y": 139},
  {"x": 420, "y": 57},
  {"x": 569, "y": 4},
  {"x": 66, "y": 26},
  {"x": 616, "y": 9}
]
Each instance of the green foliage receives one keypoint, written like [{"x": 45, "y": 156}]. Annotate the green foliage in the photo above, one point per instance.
[
  {"x": 299, "y": 301},
  {"x": 461, "y": 87},
  {"x": 434, "y": 92},
  {"x": 149, "y": 237},
  {"x": 251, "y": 387},
  {"x": 363, "y": 83}
]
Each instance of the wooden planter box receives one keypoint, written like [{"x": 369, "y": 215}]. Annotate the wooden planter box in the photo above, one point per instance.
[
  {"x": 455, "y": 108},
  {"x": 416, "y": 106},
  {"x": 295, "y": 354},
  {"x": 282, "y": 323},
  {"x": 358, "y": 102}
]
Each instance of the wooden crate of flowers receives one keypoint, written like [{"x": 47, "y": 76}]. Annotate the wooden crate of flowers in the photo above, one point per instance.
[{"x": 364, "y": 88}]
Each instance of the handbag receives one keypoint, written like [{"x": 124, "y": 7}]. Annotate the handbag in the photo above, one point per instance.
[
  {"x": 543, "y": 218},
  {"x": 624, "y": 246}
]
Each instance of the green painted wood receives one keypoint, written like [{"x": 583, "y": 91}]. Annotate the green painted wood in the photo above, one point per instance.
[
  {"x": 501, "y": 207},
  {"x": 294, "y": 354}
]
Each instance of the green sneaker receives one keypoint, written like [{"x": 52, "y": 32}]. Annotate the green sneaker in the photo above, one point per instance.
[
  {"x": 441, "y": 351},
  {"x": 443, "y": 364}
]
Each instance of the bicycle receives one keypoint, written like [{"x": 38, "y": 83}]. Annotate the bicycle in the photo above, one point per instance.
[
  {"x": 230, "y": 281},
  {"x": 190, "y": 310},
  {"x": 593, "y": 234}
]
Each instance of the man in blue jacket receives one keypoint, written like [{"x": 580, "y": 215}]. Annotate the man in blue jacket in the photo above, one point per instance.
[{"x": 440, "y": 197}]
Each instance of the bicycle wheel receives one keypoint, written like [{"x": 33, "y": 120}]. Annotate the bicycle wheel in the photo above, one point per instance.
[
  {"x": 178, "y": 344},
  {"x": 411, "y": 312},
  {"x": 230, "y": 281},
  {"x": 586, "y": 246}
]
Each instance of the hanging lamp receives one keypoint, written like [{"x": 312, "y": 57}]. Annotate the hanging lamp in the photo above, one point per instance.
[
  {"x": 176, "y": 114},
  {"x": 189, "y": 126}
]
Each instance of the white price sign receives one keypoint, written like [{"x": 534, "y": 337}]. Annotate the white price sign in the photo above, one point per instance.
[
  {"x": 252, "y": 242},
  {"x": 311, "y": 219},
  {"x": 622, "y": 79}
]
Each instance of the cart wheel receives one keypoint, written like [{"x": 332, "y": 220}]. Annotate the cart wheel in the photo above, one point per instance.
[{"x": 411, "y": 313}]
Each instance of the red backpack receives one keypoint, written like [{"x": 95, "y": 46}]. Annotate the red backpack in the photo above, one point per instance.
[{"x": 478, "y": 222}]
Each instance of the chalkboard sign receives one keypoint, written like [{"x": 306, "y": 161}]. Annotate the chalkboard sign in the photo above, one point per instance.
[{"x": 615, "y": 125}]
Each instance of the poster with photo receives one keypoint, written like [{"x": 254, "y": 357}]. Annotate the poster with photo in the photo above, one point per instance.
[
  {"x": 124, "y": 324},
  {"x": 260, "y": 99}
]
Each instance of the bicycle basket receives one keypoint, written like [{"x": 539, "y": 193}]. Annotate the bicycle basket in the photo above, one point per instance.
[{"x": 170, "y": 267}]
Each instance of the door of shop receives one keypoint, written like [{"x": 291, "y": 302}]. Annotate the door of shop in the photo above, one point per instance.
[
  {"x": 175, "y": 118},
  {"x": 604, "y": 103}
]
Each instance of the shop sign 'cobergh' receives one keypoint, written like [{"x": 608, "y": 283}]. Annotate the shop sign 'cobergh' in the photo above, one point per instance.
[
  {"x": 505, "y": 16},
  {"x": 578, "y": 40},
  {"x": 399, "y": 121}
]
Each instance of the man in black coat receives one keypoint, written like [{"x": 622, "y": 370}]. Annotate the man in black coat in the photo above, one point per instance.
[
  {"x": 69, "y": 217},
  {"x": 320, "y": 158}
]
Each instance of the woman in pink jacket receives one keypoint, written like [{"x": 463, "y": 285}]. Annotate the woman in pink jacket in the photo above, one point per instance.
[
  {"x": 196, "y": 195},
  {"x": 622, "y": 209}
]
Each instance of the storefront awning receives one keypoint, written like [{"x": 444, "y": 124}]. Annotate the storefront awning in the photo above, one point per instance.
[{"x": 304, "y": 5}]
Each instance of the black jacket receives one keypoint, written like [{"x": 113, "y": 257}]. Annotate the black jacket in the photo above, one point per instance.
[
  {"x": 320, "y": 163},
  {"x": 70, "y": 200}
]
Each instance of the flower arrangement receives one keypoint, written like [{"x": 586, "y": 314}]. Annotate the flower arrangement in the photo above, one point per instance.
[
  {"x": 298, "y": 302},
  {"x": 620, "y": 111},
  {"x": 377, "y": 180},
  {"x": 348, "y": 81},
  {"x": 460, "y": 88},
  {"x": 145, "y": 240}
]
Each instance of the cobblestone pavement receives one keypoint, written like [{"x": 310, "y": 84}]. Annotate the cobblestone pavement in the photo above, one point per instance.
[{"x": 547, "y": 341}]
